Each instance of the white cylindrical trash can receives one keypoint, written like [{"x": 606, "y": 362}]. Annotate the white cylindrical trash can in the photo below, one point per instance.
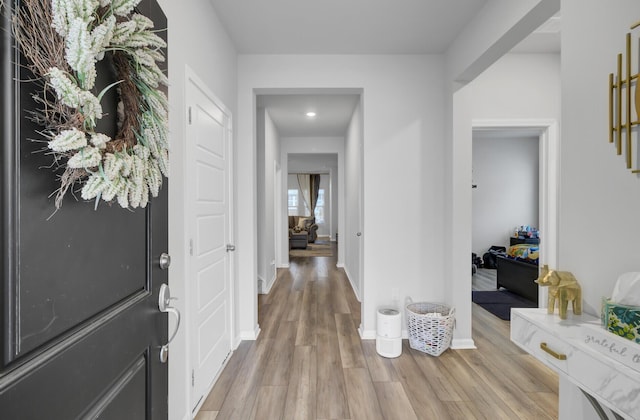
[{"x": 389, "y": 333}]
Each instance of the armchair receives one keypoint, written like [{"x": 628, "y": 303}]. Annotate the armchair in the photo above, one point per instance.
[{"x": 308, "y": 224}]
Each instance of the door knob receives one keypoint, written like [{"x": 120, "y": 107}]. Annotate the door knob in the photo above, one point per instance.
[
  {"x": 359, "y": 234},
  {"x": 231, "y": 247},
  {"x": 164, "y": 298},
  {"x": 165, "y": 261}
]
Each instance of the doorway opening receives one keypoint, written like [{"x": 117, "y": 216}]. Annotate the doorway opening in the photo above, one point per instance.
[
  {"x": 307, "y": 131},
  {"x": 542, "y": 181}
]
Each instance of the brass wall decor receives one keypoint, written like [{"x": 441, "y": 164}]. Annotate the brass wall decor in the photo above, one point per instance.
[{"x": 620, "y": 87}]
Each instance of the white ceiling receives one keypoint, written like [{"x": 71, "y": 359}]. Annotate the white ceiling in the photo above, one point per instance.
[
  {"x": 350, "y": 27},
  {"x": 288, "y": 113},
  {"x": 345, "y": 26}
]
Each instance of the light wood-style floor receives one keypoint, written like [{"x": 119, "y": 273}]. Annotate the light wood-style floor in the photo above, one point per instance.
[{"x": 309, "y": 363}]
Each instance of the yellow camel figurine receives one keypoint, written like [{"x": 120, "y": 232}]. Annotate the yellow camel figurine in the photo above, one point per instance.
[{"x": 563, "y": 287}]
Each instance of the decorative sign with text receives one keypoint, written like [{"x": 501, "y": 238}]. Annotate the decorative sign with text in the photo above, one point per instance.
[{"x": 617, "y": 348}]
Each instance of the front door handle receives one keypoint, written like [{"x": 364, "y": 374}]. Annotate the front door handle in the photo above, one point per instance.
[
  {"x": 164, "y": 299},
  {"x": 231, "y": 247}
]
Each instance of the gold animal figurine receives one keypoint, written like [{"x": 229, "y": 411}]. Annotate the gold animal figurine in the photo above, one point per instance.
[{"x": 563, "y": 287}]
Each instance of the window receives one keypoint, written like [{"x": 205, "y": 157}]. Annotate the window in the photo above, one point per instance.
[
  {"x": 292, "y": 202},
  {"x": 319, "y": 212}
]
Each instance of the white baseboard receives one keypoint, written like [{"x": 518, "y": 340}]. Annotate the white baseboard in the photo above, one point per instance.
[
  {"x": 250, "y": 335},
  {"x": 463, "y": 344},
  {"x": 355, "y": 290},
  {"x": 283, "y": 266},
  {"x": 366, "y": 335},
  {"x": 339, "y": 264},
  {"x": 236, "y": 342},
  {"x": 264, "y": 287}
]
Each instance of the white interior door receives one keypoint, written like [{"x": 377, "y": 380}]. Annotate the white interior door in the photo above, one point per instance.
[{"x": 209, "y": 146}]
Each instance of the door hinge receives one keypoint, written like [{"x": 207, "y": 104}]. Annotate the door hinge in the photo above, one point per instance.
[
  {"x": 189, "y": 115},
  {"x": 191, "y": 247},
  {"x": 193, "y": 377}
]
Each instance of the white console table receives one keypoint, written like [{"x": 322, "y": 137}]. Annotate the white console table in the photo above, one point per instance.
[{"x": 605, "y": 367}]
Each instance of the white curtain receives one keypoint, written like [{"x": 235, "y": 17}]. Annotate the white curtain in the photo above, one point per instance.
[{"x": 304, "y": 183}]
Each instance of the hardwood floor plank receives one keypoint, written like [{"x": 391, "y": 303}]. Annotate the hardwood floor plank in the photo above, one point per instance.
[
  {"x": 278, "y": 366},
  {"x": 486, "y": 404},
  {"x": 326, "y": 323},
  {"x": 394, "y": 403},
  {"x": 540, "y": 372},
  {"x": 301, "y": 395},
  {"x": 206, "y": 415},
  {"x": 363, "y": 401},
  {"x": 349, "y": 342},
  {"x": 380, "y": 368},
  {"x": 227, "y": 376},
  {"x": 504, "y": 386},
  {"x": 338, "y": 293},
  {"x": 269, "y": 403},
  {"x": 547, "y": 401},
  {"x": 273, "y": 315},
  {"x": 244, "y": 389},
  {"x": 307, "y": 327},
  {"x": 461, "y": 410},
  {"x": 293, "y": 306},
  {"x": 444, "y": 385},
  {"x": 331, "y": 397},
  {"x": 423, "y": 398}
]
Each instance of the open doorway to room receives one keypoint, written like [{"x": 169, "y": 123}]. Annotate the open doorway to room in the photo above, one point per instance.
[
  {"x": 505, "y": 218},
  {"x": 519, "y": 161},
  {"x": 308, "y": 134},
  {"x": 312, "y": 204}
]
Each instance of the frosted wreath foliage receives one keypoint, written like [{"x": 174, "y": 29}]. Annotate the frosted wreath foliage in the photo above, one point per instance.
[{"x": 130, "y": 167}]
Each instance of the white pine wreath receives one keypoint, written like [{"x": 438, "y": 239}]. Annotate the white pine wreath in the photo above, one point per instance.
[{"x": 63, "y": 40}]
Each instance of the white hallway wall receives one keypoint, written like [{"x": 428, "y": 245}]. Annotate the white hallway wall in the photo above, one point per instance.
[
  {"x": 211, "y": 55},
  {"x": 403, "y": 166},
  {"x": 505, "y": 171},
  {"x": 599, "y": 197},
  {"x": 499, "y": 26}
]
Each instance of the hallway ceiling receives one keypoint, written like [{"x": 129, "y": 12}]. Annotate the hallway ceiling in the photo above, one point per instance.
[
  {"x": 345, "y": 27},
  {"x": 350, "y": 27},
  {"x": 288, "y": 113}
]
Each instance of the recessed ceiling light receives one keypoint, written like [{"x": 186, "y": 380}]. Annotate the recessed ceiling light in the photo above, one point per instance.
[{"x": 311, "y": 114}]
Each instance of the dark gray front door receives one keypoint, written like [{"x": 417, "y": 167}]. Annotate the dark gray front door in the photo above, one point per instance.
[{"x": 81, "y": 329}]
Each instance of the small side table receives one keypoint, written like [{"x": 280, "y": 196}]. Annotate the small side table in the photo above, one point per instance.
[{"x": 298, "y": 240}]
